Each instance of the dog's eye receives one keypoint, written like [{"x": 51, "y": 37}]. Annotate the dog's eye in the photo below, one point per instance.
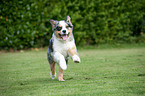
[
  {"x": 67, "y": 27},
  {"x": 58, "y": 28}
]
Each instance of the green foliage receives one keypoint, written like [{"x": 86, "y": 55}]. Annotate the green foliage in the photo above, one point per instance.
[{"x": 25, "y": 23}]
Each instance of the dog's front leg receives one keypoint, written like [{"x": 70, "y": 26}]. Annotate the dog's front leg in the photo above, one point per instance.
[
  {"x": 59, "y": 58},
  {"x": 73, "y": 53}
]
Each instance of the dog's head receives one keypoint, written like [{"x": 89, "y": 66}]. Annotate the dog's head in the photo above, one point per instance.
[{"x": 62, "y": 29}]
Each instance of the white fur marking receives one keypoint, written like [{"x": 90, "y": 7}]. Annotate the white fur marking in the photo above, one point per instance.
[
  {"x": 59, "y": 58},
  {"x": 63, "y": 24},
  {"x": 62, "y": 46},
  {"x": 76, "y": 59}
]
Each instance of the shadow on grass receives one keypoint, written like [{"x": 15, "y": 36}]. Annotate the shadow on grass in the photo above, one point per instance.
[
  {"x": 38, "y": 81},
  {"x": 42, "y": 81}
]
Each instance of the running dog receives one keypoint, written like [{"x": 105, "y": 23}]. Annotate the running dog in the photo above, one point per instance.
[{"x": 61, "y": 46}]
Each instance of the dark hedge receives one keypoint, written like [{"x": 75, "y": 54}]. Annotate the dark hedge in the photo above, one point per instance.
[{"x": 25, "y": 23}]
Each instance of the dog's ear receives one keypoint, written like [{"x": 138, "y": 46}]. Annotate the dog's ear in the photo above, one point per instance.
[
  {"x": 68, "y": 20},
  {"x": 53, "y": 22}
]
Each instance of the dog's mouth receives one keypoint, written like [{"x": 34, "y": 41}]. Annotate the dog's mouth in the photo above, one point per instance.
[{"x": 64, "y": 36}]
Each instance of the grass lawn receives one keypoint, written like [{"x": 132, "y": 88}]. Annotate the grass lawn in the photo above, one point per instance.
[{"x": 102, "y": 72}]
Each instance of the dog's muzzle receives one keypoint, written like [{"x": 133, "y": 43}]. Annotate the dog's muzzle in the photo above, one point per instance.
[{"x": 64, "y": 36}]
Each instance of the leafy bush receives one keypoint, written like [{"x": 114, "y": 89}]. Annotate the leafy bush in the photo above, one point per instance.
[{"x": 25, "y": 23}]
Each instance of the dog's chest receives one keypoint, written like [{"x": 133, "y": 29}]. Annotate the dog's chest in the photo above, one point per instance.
[{"x": 62, "y": 47}]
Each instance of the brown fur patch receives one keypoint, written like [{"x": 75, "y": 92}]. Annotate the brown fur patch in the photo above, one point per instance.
[
  {"x": 60, "y": 74},
  {"x": 70, "y": 32},
  {"x": 56, "y": 34},
  {"x": 52, "y": 66},
  {"x": 72, "y": 51}
]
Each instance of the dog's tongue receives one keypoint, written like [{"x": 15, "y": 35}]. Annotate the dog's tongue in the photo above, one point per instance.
[{"x": 64, "y": 37}]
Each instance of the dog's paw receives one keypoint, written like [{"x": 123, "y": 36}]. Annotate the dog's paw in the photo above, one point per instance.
[
  {"x": 60, "y": 77},
  {"x": 62, "y": 80},
  {"x": 53, "y": 76},
  {"x": 76, "y": 59}
]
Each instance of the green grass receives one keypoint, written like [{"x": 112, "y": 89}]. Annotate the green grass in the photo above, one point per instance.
[{"x": 102, "y": 72}]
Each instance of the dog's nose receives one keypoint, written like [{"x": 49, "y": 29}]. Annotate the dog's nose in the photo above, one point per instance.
[{"x": 64, "y": 31}]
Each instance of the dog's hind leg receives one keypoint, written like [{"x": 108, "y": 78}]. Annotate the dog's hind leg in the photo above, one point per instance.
[
  {"x": 60, "y": 74},
  {"x": 52, "y": 73}
]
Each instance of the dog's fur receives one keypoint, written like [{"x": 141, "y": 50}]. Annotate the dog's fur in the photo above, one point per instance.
[{"x": 61, "y": 46}]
